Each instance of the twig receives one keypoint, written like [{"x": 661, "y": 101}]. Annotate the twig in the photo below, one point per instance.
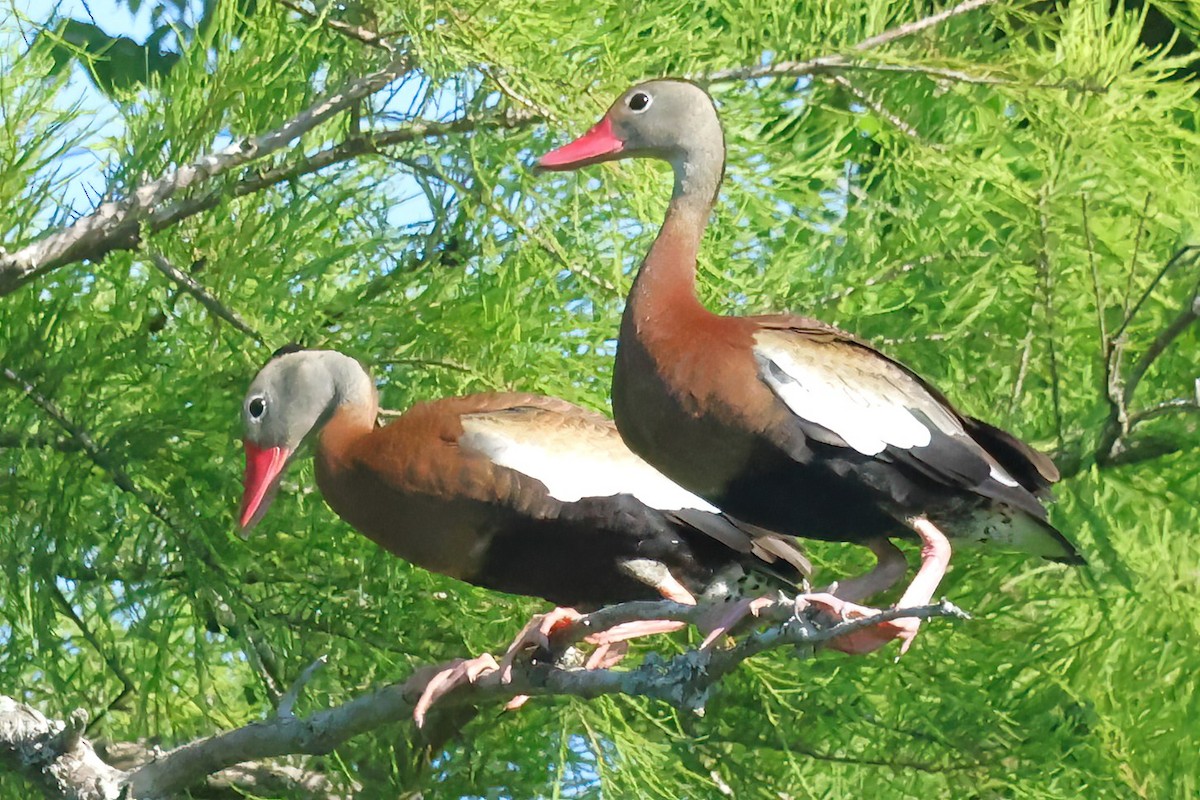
[
  {"x": 98, "y": 456},
  {"x": 961, "y": 76},
  {"x": 547, "y": 244},
  {"x": 357, "y": 32},
  {"x": 19, "y": 440},
  {"x": 1186, "y": 404},
  {"x": 945, "y": 73},
  {"x": 95, "y": 234},
  {"x": 369, "y": 144},
  {"x": 441, "y": 363},
  {"x": 916, "y": 26},
  {"x": 800, "y": 68},
  {"x": 256, "y": 651},
  {"x": 1023, "y": 365},
  {"x": 492, "y": 73},
  {"x": 1044, "y": 271},
  {"x": 517, "y": 97},
  {"x": 288, "y": 701},
  {"x": 1183, "y": 252},
  {"x": 1121, "y": 387},
  {"x": 108, "y": 658},
  {"x": 193, "y": 287},
  {"x": 880, "y": 109},
  {"x": 1188, "y": 314},
  {"x": 875, "y": 280},
  {"x": 1105, "y": 344},
  {"x": 1137, "y": 248}
]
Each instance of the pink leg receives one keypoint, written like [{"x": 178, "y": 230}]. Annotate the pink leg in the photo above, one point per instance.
[
  {"x": 611, "y": 644},
  {"x": 634, "y": 630},
  {"x": 935, "y": 557},
  {"x": 737, "y": 612},
  {"x": 670, "y": 589},
  {"x": 607, "y": 655},
  {"x": 890, "y": 566}
]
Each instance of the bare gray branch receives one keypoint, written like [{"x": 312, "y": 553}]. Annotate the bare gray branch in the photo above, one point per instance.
[
  {"x": 206, "y": 299},
  {"x": 99, "y": 232},
  {"x": 826, "y": 63},
  {"x": 53, "y": 755}
]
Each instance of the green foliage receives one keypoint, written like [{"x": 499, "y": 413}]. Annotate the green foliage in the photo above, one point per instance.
[{"x": 985, "y": 242}]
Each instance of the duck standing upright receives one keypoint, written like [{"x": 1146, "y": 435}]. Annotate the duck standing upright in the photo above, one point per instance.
[
  {"x": 520, "y": 493},
  {"x": 787, "y": 422}
]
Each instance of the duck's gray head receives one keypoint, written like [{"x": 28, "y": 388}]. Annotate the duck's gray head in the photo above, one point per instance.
[
  {"x": 290, "y": 399},
  {"x": 669, "y": 119}
]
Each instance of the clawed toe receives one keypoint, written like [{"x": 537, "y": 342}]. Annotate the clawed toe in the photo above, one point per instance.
[
  {"x": 732, "y": 617},
  {"x": 535, "y": 636},
  {"x": 459, "y": 672},
  {"x": 863, "y": 640}
]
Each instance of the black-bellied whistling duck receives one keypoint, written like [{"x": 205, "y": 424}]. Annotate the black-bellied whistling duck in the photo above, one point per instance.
[
  {"x": 515, "y": 492},
  {"x": 787, "y": 422}
]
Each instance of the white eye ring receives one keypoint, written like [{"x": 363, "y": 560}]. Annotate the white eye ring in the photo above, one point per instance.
[
  {"x": 256, "y": 407},
  {"x": 644, "y": 100}
]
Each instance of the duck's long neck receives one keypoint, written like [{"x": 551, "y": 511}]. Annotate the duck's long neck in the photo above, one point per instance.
[
  {"x": 666, "y": 283},
  {"x": 355, "y": 409}
]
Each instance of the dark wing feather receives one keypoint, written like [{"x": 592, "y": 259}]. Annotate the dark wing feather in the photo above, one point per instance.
[
  {"x": 768, "y": 547},
  {"x": 1032, "y": 468}
]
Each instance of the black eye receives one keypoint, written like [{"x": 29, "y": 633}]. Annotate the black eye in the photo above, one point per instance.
[
  {"x": 257, "y": 407},
  {"x": 639, "y": 101}
]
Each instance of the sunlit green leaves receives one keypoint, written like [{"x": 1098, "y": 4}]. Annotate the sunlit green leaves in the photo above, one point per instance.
[{"x": 1038, "y": 146}]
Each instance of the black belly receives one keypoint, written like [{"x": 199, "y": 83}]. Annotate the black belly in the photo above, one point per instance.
[
  {"x": 575, "y": 559},
  {"x": 808, "y": 500},
  {"x": 797, "y": 487}
]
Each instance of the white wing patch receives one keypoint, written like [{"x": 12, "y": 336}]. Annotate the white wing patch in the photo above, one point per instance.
[
  {"x": 861, "y": 398},
  {"x": 867, "y": 421},
  {"x": 593, "y": 464}
]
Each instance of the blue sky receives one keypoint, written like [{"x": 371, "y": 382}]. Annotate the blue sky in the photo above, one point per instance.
[{"x": 87, "y": 164}]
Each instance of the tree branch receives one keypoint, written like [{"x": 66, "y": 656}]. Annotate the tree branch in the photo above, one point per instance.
[
  {"x": 56, "y": 756},
  {"x": 98, "y": 233},
  {"x": 683, "y": 681},
  {"x": 53, "y": 755},
  {"x": 356, "y": 32},
  {"x": 1185, "y": 404},
  {"x": 166, "y": 216},
  {"x": 119, "y": 225},
  {"x": 1188, "y": 314},
  {"x": 1114, "y": 443}
]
